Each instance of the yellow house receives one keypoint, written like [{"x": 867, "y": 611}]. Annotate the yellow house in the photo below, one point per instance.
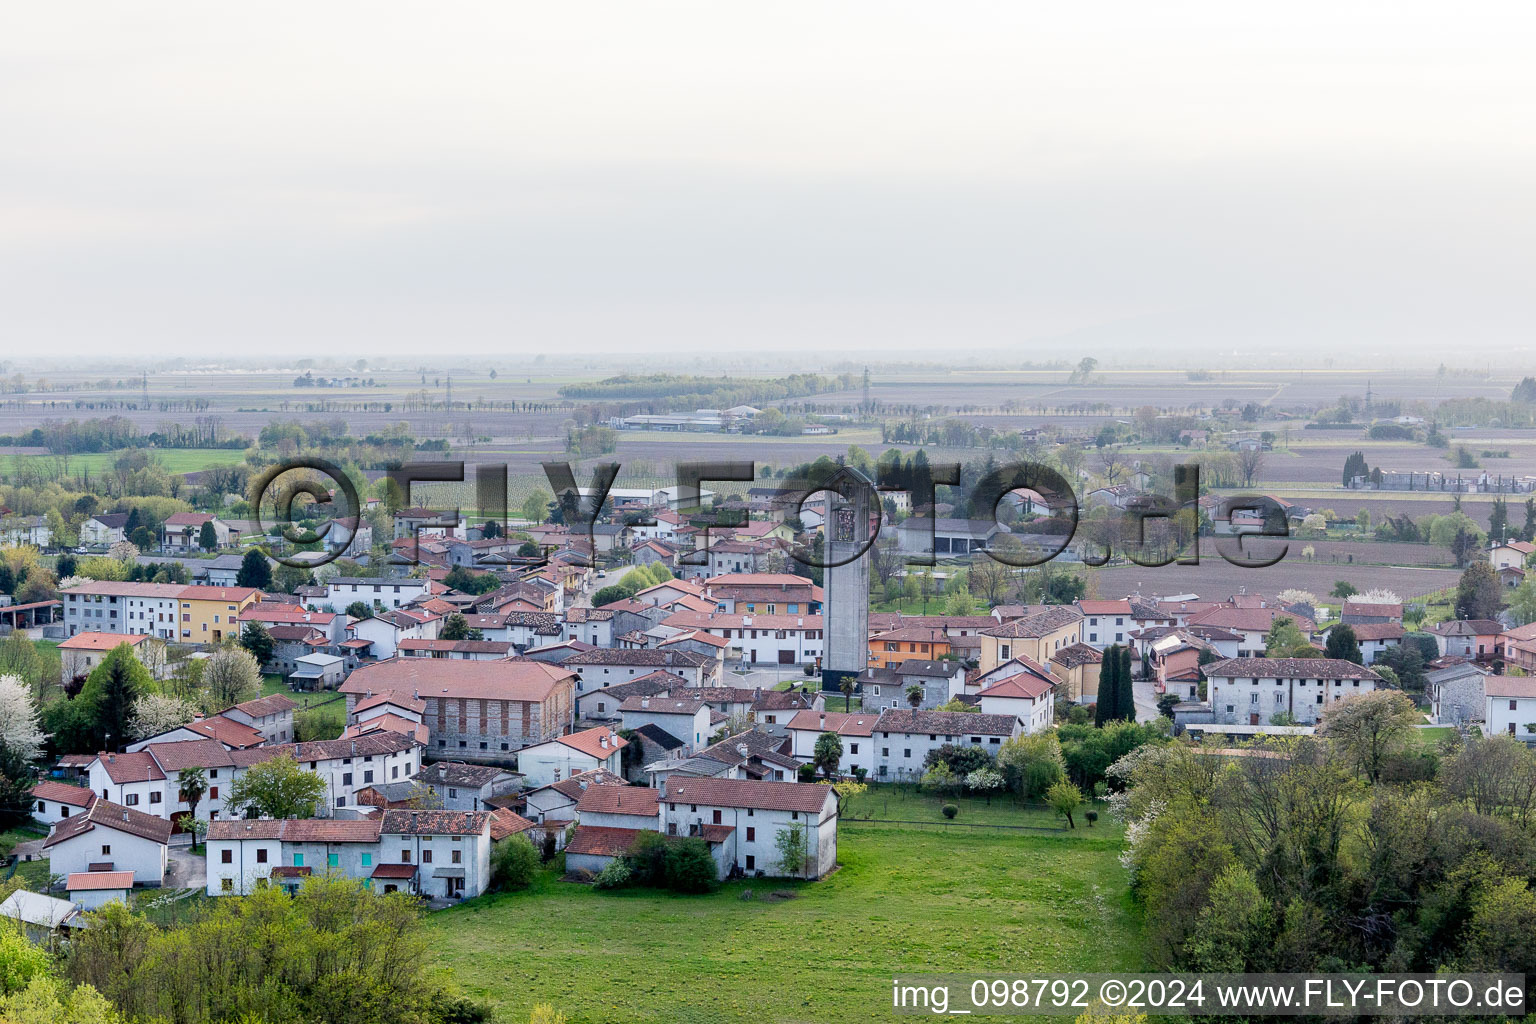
[
  {"x": 210, "y": 614},
  {"x": 1038, "y": 636},
  {"x": 908, "y": 643},
  {"x": 1077, "y": 666}
]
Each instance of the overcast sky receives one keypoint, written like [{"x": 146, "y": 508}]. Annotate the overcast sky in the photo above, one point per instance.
[{"x": 356, "y": 179}]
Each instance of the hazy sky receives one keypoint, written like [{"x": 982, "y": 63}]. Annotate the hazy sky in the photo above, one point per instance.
[{"x": 355, "y": 179}]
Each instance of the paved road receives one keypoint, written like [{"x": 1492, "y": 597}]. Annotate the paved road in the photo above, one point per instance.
[
  {"x": 1146, "y": 700},
  {"x": 184, "y": 870}
]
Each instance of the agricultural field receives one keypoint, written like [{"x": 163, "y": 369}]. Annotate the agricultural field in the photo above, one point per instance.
[
  {"x": 175, "y": 460},
  {"x": 904, "y": 900}
]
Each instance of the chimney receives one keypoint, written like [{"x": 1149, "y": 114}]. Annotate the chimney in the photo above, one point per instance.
[
  {"x": 822, "y": 720},
  {"x": 645, "y": 702},
  {"x": 742, "y": 749}
]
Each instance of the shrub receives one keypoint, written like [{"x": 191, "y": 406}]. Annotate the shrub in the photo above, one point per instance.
[
  {"x": 615, "y": 876},
  {"x": 513, "y": 863},
  {"x": 807, "y": 773},
  {"x": 1090, "y": 817},
  {"x": 690, "y": 868},
  {"x": 950, "y": 810}
]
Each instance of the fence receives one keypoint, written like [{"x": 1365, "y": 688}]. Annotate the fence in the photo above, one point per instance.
[{"x": 1047, "y": 829}]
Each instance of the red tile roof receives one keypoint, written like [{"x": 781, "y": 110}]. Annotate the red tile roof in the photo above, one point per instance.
[
  {"x": 842, "y": 723},
  {"x": 639, "y": 800},
  {"x": 441, "y": 677},
  {"x": 599, "y": 841},
  {"x": 93, "y": 881},
  {"x": 136, "y": 767},
  {"x": 62, "y": 793},
  {"x": 805, "y": 797},
  {"x": 101, "y": 641},
  {"x": 590, "y": 742},
  {"x": 108, "y": 815}
]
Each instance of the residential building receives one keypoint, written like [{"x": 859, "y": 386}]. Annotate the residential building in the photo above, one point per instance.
[
  {"x": 107, "y": 606},
  {"x": 891, "y": 647},
  {"x": 82, "y": 652},
  {"x": 755, "y": 813},
  {"x": 104, "y": 530},
  {"x": 680, "y": 715},
  {"x": 780, "y": 639},
  {"x": 467, "y": 787},
  {"x": 1469, "y": 638},
  {"x": 854, "y": 729},
  {"x": 54, "y": 801},
  {"x": 375, "y": 591},
  {"x": 208, "y": 615},
  {"x": 1509, "y": 707},
  {"x": 1455, "y": 690},
  {"x": 1255, "y": 690},
  {"x": 902, "y": 739},
  {"x": 565, "y": 756},
  {"x": 385, "y": 629},
  {"x": 110, "y": 837},
  {"x": 183, "y": 531},
  {"x": 602, "y": 667},
  {"x": 482, "y": 711},
  {"x": 1036, "y": 636}
]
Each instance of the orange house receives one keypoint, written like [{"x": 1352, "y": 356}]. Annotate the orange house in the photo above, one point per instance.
[{"x": 907, "y": 643}]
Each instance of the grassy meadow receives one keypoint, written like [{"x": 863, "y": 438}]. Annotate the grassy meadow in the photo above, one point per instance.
[{"x": 904, "y": 900}]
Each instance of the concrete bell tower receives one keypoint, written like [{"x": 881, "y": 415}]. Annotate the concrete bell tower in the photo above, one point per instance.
[{"x": 848, "y": 533}]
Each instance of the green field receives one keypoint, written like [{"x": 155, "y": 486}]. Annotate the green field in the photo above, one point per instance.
[
  {"x": 904, "y": 901},
  {"x": 176, "y": 460}
]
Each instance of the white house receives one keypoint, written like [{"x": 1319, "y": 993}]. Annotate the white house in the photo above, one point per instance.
[
  {"x": 1509, "y": 707},
  {"x": 109, "y": 606},
  {"x": 684, "y": 718},
  {"x": 110, "y": 837},
  {"x": 52, "y": 802},
  {"x": 855, "y": 729},
  {"x": 1254, "y": 690},
  {"x": 902, "y": 739},
  {"x": 762, "y": 639},
  {"x": 755, "y": 814},
  {"x": 272, "y": 716},
  {"x": 105, "y": 529},
  {"x": 93, "y": 889},
  {"x": 1026, "y": 696},
  {"x": 375, "y": 591},
  {"x": 1375, "y": 638},
  {"x": 443, "y": 854},
  {"x": 564, "y": 756},
  {"x": 386, "y": 629}
]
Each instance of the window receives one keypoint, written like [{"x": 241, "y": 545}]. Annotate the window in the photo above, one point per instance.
[
  {"x": 333, "y": 860},
  {"x": 154, "y": 798},
  {"x": 298, "y": 860},
  {"x": 751, "y": 834},
  {"x": 853, "y": 748},
  {"x": 261, "y": 856},
  {"x": 227, "y": 857},
  {"x": 906, "y": 752},
  {"x": 213, "y": 792},
  {"x": 227, "y": 885},
  {"x": 716, "y": 817},
  {"x": 751, "y": 862},
  {"x": 405, "y": 856},
  {"x": 458, "y": 856},
  {"x": 1253, "y": 698},
  {"x": 106, "y": 850},
  {"x": 426, "y": 856},
  {"x": 131, "y": 800}
]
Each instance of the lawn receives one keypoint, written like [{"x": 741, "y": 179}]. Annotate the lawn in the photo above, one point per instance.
[
  {"x": 904, "y": 900},
  {"x": 908, "y": 803}
]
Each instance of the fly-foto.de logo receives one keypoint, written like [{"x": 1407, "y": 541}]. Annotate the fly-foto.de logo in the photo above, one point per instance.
[{"x": 1021, "y": 514}]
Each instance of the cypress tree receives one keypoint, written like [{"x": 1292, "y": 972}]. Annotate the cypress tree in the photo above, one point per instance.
[
  {"x": 1108, "y": 699},
  {"x": 1126, "y": 692}
]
